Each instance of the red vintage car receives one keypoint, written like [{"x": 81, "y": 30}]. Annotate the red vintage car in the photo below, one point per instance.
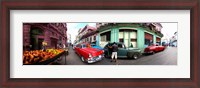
[
  {"x": 154, "y": 48},
  {"x": 88, "y": 54}
]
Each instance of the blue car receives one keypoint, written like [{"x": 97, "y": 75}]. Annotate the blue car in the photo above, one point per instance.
[{"x": 97, "y": 47}]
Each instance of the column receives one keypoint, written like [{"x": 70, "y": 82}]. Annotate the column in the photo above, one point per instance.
[
  {"x": 154, "y": 38},
  {"x": 140, "y": 38},
  {"x": 112, "y": 39},
  {"x": 116, "y": 35},
  {"x": 98, "y": 38}
]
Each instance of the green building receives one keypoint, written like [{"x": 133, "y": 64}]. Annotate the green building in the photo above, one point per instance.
[{"x": 138, "y": 35}]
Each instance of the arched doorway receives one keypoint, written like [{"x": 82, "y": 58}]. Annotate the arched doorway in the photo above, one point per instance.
[{"x": 36, "y": 37}]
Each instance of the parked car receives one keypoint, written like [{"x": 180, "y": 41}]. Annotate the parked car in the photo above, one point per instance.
[
  {"x": 88, "y": 54},
  {"x": 123, "y": 51},
  {"x": 97, "y": 47},
  {"x": 74, "y": 45},
  {"x": 153, "y": 49}
]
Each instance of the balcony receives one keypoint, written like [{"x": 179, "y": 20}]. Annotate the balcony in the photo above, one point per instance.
[{"x": 113, "y": 25}]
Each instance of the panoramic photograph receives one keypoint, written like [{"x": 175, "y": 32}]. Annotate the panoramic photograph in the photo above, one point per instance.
[{"x": 86, "y": 43}]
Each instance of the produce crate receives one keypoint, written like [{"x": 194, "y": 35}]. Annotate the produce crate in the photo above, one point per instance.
[{"x": 50, "y": 60}]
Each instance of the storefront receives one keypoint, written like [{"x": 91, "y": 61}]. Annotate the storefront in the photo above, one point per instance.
[
  {"x": 36, "y": 33},
  {"x": 148, "y": 39},
  {"x": 158, "y": 40},
  {"x": 132, "y": 35}
]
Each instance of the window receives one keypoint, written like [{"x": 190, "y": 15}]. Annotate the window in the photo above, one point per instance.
[
  {"x": 128, "y": 37},
  {"x": 90, "y": 38},
  {"x": 52, "y": 33},
  {"x": 121, "y": 37},
  {"x": 121, "y": 34},
  {"x": 79, "y": 46},
  {"x": 133, "y": 40},
  {"x": 93, "y": 45},
  {"x": 103, "y": 38},
  {"x": 148, "y": 42},
  {"x": 94, "y": 38},
  {"x": 83, "y": 46},
  {"x": 121, "y": 40}
]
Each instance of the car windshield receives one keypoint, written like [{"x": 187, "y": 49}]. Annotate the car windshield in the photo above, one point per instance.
[
  {"x": 83, "y": 46},
  {"x": 93, "y": 45}
]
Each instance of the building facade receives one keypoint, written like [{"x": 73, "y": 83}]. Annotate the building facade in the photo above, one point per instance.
[
  {"x": 173, "y": 40},
  {"x": 69, "y": 41},
  {"x": 54, "y": 34},
  {"x": 138, "y": 35},
  {"x": 87, "y": 34}
]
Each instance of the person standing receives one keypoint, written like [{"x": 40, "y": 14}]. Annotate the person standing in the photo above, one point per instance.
[
  {"x": 59, "y": 46},
  {"x": 44, "y": 44},
  {"x": 114, "y": 52}
]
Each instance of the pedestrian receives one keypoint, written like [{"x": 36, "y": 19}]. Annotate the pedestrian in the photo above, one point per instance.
[
  {"x": 64, "y": 47},
  {"x": 88, "y": 45},
  {"x": 44, "y": 44},
  {"x": 114, "y": 52},
  {"x": 59, "y": 46}
]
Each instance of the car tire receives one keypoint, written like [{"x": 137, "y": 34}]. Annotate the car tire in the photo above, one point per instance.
[
  {"x": 135, "y": 56},
  {"x": 82, "y": 58},
  {"x": 153, "y": 52},
  {"x": 106, "y": 54}
]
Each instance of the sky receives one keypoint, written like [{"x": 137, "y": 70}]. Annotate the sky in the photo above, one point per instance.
[
  {"x": 168, "y": 29},
  {"x": 72, "y": 28}
]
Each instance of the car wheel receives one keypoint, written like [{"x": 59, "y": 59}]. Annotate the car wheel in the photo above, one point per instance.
[
  {"x": 135, "y": 56},
  {"x": 153, "y": 52},
  {"x": 106, "y": 54},
  {"x": 82, "y": 58}
]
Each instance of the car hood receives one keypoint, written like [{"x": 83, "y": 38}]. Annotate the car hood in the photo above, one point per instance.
[
  {"x": 150, "y": 47},
  {"x": 93, "y": 51}
]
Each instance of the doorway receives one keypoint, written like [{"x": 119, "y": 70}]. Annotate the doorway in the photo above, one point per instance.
[
  {"x": 128, "y": 37},
  {"x": 40, "y": 40}
]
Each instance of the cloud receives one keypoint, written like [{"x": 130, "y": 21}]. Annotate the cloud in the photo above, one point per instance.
[
  {"x": 169, "y": 29},
  {"x": 72, "y": 28}
]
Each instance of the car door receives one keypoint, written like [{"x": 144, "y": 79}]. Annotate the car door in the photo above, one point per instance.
[
  {"x": 77, "y": 49},
  {"x": 108, "y": 51},
  {"x": 122, "y": 52}
]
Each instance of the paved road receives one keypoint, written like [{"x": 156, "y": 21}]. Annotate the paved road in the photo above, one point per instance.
[{"x": 166, "y": 57}]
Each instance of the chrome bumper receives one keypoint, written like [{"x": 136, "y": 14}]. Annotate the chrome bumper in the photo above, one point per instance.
[{"x": 95, "y": 59}]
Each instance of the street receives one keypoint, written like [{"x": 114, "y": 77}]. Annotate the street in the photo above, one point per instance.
[{"x": 166, "y": 57}]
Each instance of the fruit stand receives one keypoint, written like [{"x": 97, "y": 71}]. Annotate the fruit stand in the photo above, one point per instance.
[{"x": 40, "y": 57}]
